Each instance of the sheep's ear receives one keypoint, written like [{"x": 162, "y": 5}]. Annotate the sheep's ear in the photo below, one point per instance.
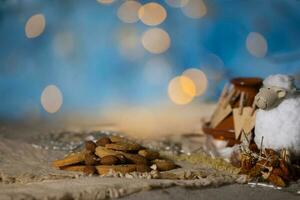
[{"x": 281, "y": 93}]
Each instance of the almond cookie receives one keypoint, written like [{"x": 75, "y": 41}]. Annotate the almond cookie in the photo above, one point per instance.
[
  {"x": 70, "y": 159},
  {"x": 164, "y": 165},
  {"x": 103, "y": 141},
  {"x": 143, "y": 168},
  {"x": 89, "y": 170},
  {"x": 105, "y": 169},
  {"x": 90, "y": 146},
  {"x": 102, "y": 151},
  {"x": 122, "y": 158},
  {"x": 148, "y": 154},
  {"x": 76, "y": 168},
  {"x": 109, "y": 160},
  {"x": 124, "y": 146},
  {"x": 133, "y": 158},
  {"x": 115, "y": 139},
  {"x": 91, "y": 159}
]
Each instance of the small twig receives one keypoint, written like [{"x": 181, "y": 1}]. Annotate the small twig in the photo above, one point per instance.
[
  {"x": 243, "y": 132},
  {"x": 261, "y": 145},
  {"x": 261, "y": 158},
  {"x": 283, "y": 154},
  {"x": 241, "y": 105}
]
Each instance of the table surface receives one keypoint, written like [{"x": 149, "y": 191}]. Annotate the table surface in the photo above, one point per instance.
[{"x": 176, "y": 121}]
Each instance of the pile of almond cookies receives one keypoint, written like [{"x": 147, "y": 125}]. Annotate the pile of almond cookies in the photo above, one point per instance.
[{"x": 115, "y": 154}]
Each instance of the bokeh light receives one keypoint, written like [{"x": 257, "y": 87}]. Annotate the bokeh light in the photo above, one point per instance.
[
  {"x": 157, "y": 70},
  {"x": 177, "y": 3},
  {"x": 51, "y": 99},
  {"x": 194, "y": 9},
  {"x": 181, "y": 90},
  {"x": 256, "y": 44},
  {"x": 152, "y": 14},
  {"x": 199, "y": 78},
  {"x": 105, "y": 1},
  {"x": 188, "y": 86},
  {"x": 128, "y": 11},
  {"x": 156, "y": 40},
  {"x": 35, "y": 26},
  {"x": 103, "y": 45}
]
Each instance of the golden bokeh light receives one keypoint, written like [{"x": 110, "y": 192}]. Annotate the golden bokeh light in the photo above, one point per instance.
[
  {"x": 157, "y": 71},
  {"x": 35, "y": 26},
  {"x": 128, "y": 11},
  {"x": 199, "y": 78},
  {"x": 188, "y": 86},
  {"x": 152, "y": 14},
  {"x": 156, "y": 40},
  {"x": 51, "y": 99},
  {"x": 256, "y": 44},
  {"x": 177, "y": 3},
  {"x": 105, "y": 1},
  {"x": 194, "y": 9},
  {"x": 181, "y": 90}
]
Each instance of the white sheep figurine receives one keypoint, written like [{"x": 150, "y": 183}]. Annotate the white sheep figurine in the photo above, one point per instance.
[{"x": 278, "y": 116}]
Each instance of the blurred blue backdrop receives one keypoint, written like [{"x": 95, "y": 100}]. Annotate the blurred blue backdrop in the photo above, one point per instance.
[{"x": 96, "y": 58}]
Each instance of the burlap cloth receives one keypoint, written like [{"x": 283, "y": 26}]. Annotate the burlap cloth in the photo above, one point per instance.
[{"x": 26, "y": 173}]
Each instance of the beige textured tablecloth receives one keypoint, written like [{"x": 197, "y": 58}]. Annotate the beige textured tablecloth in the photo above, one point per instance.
[{"x": 25, "y": 164}]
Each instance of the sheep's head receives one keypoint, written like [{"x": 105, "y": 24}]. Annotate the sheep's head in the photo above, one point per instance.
[{"x": 276, "y": 88}]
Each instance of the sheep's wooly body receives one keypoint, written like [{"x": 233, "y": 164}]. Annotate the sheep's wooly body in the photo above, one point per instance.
[{"x": 280, "y": 126}]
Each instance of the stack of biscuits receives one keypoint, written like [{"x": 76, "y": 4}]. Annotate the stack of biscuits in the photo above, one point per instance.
[{"x": 116, "y": 154}]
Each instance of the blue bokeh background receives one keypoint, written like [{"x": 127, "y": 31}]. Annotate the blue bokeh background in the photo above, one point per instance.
[{"x": 95, "y": 73}]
